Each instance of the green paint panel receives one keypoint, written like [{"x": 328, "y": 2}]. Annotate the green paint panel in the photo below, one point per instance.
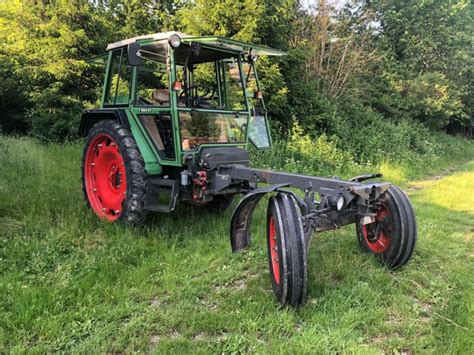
[{"x": 150, "y": 156}]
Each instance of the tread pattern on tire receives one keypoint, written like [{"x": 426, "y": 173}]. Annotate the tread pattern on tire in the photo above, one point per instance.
[
  {"x": 292, "y": 250},
  {"x": 409, "y": 230},
  {"x": 134, "y": 211}
]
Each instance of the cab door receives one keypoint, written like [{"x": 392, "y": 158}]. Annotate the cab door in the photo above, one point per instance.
[
  {"x": 117, "y": 85},
  {"x": 152, "y": 104}
]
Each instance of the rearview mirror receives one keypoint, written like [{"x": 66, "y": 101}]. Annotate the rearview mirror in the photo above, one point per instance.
[{"x": 134, "y": 58}]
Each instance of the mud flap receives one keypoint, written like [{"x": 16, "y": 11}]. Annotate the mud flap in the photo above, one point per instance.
[{"x": 242, "y": 217}]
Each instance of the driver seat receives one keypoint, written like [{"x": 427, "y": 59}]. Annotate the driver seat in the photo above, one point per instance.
[{"x": 160, "y": 97}]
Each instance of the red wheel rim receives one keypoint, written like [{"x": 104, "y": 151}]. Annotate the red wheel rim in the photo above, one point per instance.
[
  {"x": 274, "y": 250},
  {"x": 105, "y": 177},
  {"x": 377, "y": 242}
]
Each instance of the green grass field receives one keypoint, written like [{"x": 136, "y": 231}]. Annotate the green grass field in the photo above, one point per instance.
[{"x": 72, "y": 283}]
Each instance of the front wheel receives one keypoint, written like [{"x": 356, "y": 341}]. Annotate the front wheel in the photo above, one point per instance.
[
  {"x": 392, "y": 236},
  {"x": 113, "y": 174},
  {"x": 286, "y": 250}
]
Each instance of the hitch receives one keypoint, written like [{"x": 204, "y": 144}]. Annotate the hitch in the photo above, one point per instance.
[{"x": 200, "y": 185}]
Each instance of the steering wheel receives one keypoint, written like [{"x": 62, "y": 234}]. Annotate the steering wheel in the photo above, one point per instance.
[{"x": 208, "y": 93}]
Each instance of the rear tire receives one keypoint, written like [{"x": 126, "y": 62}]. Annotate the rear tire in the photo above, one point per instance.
[
  {"x": 114, "y": 180},
  {"x": 392, "y": 237},
  {"x": 286, "y": 250}
]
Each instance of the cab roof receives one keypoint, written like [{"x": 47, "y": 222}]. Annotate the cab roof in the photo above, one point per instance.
[{"x": 214, "y": 41}]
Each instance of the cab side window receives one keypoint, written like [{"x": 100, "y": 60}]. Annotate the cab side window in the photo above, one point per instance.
[
  {"x": 152, "y": 76},
  {"x": 152, "y": 84},
  {"x": 120, "y": 76}
]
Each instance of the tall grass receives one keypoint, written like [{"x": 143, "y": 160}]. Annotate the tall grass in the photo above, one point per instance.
[{"x": 71, "y": 283}]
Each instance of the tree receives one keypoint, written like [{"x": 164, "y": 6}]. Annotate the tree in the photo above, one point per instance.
[
  {"x": 427, "y": 48},
  {"x": 45, "y": 55},
  {"x": 236, "y": 19}
]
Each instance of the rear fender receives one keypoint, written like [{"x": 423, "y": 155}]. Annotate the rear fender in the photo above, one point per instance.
[
  {"x": 90, "y": 117},
  {"x": 242, "y": 216}
]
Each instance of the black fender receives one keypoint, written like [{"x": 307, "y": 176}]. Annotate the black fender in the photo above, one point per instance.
[
  {"x": 242, "y": 216},
  {"x": 361, "y": 178},
  {"x": 90, "y": 117}
]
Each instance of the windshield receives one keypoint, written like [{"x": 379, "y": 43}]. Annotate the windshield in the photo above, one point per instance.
[
  {"x": 198, "y": 127},
  {"x": 213, "y": 85}
]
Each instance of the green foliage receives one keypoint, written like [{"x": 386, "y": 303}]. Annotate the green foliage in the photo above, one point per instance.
[
  {"x": 44, "y": 57},
  {"x": 422, "y": 72},
  {"x": 135, "y": 18},
  {"x": 227, "y": 18},
  {"x": 428, "y": 62},
  {"x": 299, "y": 152},
  {"x": 367, "y": 142}
]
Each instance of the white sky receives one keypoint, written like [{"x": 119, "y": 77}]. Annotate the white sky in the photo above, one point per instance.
[{"x": 310, "y": 3}]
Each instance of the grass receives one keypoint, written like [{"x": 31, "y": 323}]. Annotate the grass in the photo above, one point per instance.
[{"x": 70, "y": 283}]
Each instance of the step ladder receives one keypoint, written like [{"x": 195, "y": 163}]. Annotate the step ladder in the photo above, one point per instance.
[{"x": 159, "y": 187}]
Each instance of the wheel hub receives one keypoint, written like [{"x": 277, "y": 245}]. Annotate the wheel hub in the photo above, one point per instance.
[
  {"x": 105, "y": 177},
  {"x": 115, "y": 177},
  {"x": 377, "y": 234}
]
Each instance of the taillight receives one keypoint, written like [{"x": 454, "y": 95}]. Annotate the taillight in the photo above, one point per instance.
[{"x": 258, "y": 95}]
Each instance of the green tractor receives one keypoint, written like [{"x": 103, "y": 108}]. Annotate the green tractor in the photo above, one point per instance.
[{"x": 176, "y": 119}]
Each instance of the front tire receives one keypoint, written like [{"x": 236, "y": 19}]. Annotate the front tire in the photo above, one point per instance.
[
  {"x": 286, "y": 250},
  {"x": 392, "y": 237},
  {"x": 114, "y": 180}
]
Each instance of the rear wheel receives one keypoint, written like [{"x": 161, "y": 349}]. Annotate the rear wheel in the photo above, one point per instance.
[
  {"x": 286, "y": 250},
  {"x": 113, "y": 174},
  {"x": 392, "y": 236}
]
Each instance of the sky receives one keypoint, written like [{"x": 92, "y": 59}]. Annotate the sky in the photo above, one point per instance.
[{"x": 311, "y": 3}]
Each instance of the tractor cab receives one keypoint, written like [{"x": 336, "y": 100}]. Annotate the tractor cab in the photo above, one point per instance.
[{"x": 181, "y": 94}]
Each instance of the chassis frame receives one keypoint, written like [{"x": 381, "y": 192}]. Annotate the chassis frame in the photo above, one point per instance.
[
  {"x": 320, "y": 211},
  {"x": 358, "y": 200}
]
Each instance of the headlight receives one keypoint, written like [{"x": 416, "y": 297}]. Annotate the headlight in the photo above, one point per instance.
[
  {"x": 174, "y": 40},
  {"x": 340, "y": 202}
]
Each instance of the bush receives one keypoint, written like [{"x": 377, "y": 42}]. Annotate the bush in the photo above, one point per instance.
[
  {"x": 299, "y": 152},
  {"x": 358, "y": 139}
]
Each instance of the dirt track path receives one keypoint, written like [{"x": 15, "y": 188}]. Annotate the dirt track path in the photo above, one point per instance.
[{"x": 430, "y": 181}]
